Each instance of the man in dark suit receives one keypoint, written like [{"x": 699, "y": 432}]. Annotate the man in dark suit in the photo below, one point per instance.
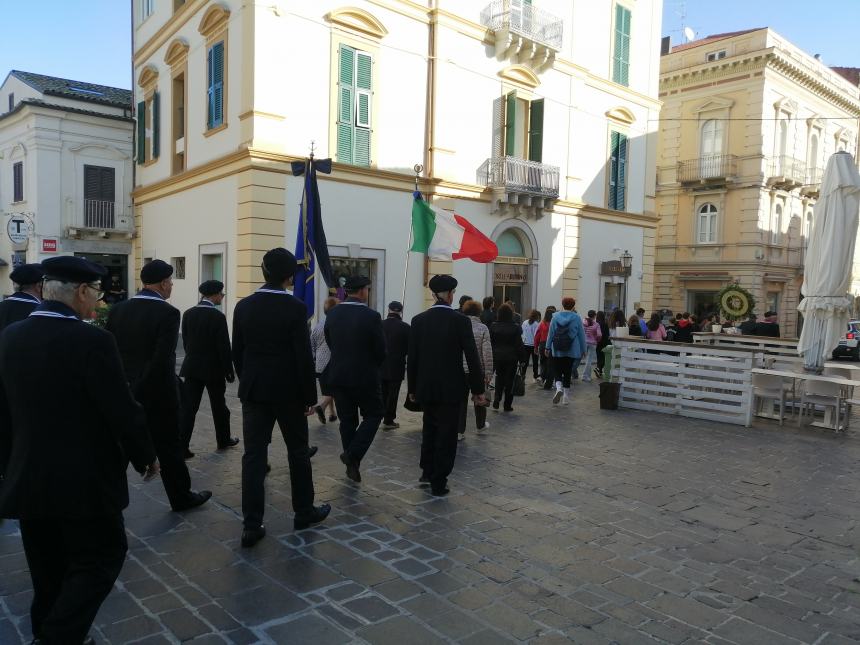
[
  {"x": 354, "y": 335},
  {"x": 440, "y": 338},
  {"x": 769, "y": 326},
  {"x": 272, "y": 355},
  {"x": 146, "y": 329},
  {"x": 72, "y": 425},
  {"x": 394, "y": 368},
  {"x": 748, "y": 326},
  {"x": 207, "y": 364},
  {"x": 27, "y": 296}
]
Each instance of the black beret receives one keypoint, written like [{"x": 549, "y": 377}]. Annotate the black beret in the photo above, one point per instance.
[
  {"x": 395, "y": 306},
  {"x": 155, "y": 271},
  {"x": 211, "y": 287},
  {"x": 356, "y": 282},
  {"x": 68, "y": 268},
  {"x": 27, "y": 274},
  {"x": 279, "y": 263},
  {"x": 440, "y": 283}
]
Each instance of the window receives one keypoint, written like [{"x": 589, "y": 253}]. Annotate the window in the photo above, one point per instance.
[
  {"x": 617, "y": 171},
  {"x": 707, "y": 224},
  {"x": 355, "y": 91},
  {"x": 146, "y": 9},
  {"x": 178, "y": 265},
  {"x": 11, "y": 101},
  {"x": 808, "y": 232},
  {"x": 710, "y": 148},
  {"x": 523, "y": 128},
  {"x": 177, "y": 97},
  {"x": 712, "y": 56},
  {"x": 18, "y": 181},
  {"x": 621, "y": 47},
  {"x": 812, "y": 157},
  {"x": 215, "y": 92},
  {"x": 510, "y": 245},
  {"x": 773, "y": 301},
  {"x": 776, "y": 225},
  {"x": 99, "y": 197},
  {"x": 149, "y": 128}
]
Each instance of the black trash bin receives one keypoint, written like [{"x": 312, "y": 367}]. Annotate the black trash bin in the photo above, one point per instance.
[{"x": 609, "y": 395}]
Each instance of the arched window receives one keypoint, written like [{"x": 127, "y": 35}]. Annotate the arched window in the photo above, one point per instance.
[
  {"x": 711, "y": 147},
  {"x": 707, "y": 224},
  {"x": 812, "y": 161},
  {"x": 776, "y": 225},
  {"x": 510, "y": 245}
]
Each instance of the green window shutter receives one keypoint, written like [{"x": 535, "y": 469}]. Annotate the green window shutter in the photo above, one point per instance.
[
  {"x": 210, "y": 91},
  {"x": 536, "y": 130},
  {"x": 217, "y": 84},
  {"x": 346, "y": 105},
  {"x": 141, "y": 132},
  {"x": 156, "y": 125},
  {"x": 613, "y": 169},
  {"x": 510, "y": 123},
  {"x": 621, "y": 183},
  {"x": 364, "y": 88},
  {"x": 621, "y": 54},
  {"x": 361, "y": 154}
]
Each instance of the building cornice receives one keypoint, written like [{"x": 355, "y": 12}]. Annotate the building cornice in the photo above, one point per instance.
[{"x": 168, "y": 30}]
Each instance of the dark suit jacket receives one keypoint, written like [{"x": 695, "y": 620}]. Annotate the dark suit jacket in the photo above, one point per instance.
[
  {"x": 16, "y": 307},
  {"x": 146, "y": 329},
  {"x": 354, "y": 336},
  {"x": 206, "y": 342},
  {"x": 272, "y": 348},
  {"x": 397, "y": 345},
  {"x": 767, "y": 329},
  {"x": 438, "y": 340},
  {"x": 67, "y": 419}
]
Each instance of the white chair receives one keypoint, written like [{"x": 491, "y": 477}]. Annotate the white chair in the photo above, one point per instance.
[
  {"x": 825, "y": 394},
  {"x": 768, "y": 387}
]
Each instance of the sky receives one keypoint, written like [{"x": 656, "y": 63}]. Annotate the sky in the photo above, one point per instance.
[{"x": 88, "y": 40}]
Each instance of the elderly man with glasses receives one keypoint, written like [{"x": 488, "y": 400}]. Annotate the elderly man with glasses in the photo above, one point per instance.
[{"x": 65, "y": 463}]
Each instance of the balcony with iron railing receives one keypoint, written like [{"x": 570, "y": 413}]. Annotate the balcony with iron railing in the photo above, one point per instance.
[
  {"x": 812, "y": 185},
  {"x": 520, "y": 182},
  {"x": 709, "y": 169},
  {"x": 99, "y": 217},
  {"x": 526, "y": 33},
  {"x": 786, "y": 172}
]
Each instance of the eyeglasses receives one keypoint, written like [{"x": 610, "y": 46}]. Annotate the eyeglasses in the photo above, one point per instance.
[{"x": 97, "y": 288}]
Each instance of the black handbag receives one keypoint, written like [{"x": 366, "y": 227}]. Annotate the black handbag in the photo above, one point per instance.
[
  {"x": 520, "y": 380},
  {"x": 412, "y": 406}
]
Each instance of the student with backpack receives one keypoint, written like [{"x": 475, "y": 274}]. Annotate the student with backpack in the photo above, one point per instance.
[{"x": 566, "y": 344}]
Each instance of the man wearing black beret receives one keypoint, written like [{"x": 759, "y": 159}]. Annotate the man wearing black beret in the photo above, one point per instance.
[
  {"x": 28, "y": 294},
  {"x": 440, "y": 339},
  {"x": 354, "y": 335},
  {"x": 207, "y": 364},
  {"x": 70, "y": 426},
  {"x": 146, "y": 329},
  {"x": 272, "y": 355}
]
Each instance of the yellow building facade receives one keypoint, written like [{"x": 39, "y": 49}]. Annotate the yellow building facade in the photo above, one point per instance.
[{"x": 748, "y": 123}]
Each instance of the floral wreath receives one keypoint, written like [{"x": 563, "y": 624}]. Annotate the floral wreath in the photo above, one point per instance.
[{"x": 735, "y": 302}]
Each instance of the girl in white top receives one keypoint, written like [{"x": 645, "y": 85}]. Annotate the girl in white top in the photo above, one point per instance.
[{"x": 529, "y": 328}]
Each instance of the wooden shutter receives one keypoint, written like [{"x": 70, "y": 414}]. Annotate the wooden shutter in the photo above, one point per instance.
[
  {"x": 617, "y": 171},
  {"x": 346, "y": 105},
  {"x": 536, "y": 130},
  {"x": 156, "y": 125},
  {"x": 510, "y": 124},
  {"x": 217, "y": 84},
  {"x": 141, "y": 132},
  {"x": 18, "y": 181},
  {"x": 363, "y": 94},
  {"x": 99, "y": 183},
  {"x": 621, "y": 56}
]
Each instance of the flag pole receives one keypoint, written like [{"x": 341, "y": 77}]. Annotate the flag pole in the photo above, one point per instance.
[{"x": 418, "y": 168}]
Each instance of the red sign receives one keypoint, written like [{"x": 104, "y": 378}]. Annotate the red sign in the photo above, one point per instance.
[{"x": 50, "y": 245}]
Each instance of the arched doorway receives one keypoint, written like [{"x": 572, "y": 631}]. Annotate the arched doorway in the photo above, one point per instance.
[{"x": 513, "y": 275}]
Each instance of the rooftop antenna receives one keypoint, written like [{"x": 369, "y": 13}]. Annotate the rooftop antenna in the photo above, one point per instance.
[{"x": 688, "y": 32}]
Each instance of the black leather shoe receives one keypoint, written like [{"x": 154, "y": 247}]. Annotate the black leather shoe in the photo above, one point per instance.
[
  {"x": 424, "y": 480},
  {"x": 320, "y": 414},
  {"x": 495, "y": 405},
  {"x": 314, "y": 517},
  {"x": 351, "y": 467},
  {"x": 188, "y": 454},
  {"x": 509, "y": 409},
  {"x": 231, "y": 442},
  {"x": 312, "y": 451},
  {"x": 439, "y": 492},
  {"x": 194, "y": 500},
  {"x": 251, "y": 536}
]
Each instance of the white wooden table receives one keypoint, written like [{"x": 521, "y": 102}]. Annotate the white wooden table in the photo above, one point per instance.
[{"x": 848, "y": 384}]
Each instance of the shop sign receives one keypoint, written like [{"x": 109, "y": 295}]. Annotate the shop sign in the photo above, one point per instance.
[
  {"x": 50, "y": 245},
  {"x": 18, "y": 229},
  {"x": 516, "y": 273},
  {"x": 614, "y": 267}
]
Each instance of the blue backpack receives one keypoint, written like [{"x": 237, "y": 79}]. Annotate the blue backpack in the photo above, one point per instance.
[{"x": 562, "y": 340}]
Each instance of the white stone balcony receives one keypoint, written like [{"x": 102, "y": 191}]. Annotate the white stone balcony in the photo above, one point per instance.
[
  {"x": 523, "y": 33},
  {"x": 99, "y": 218},
  {"x": 812, "y": 186},
  {"x": 708, "y": 170},
  {"x": 520, "y": 185},
  {"x": 786, "y": 172}
]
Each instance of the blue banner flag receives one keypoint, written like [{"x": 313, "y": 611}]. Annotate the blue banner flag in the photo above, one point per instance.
[{"x": 311, "y": 245}]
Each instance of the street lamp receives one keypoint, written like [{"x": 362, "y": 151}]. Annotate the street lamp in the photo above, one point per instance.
[{"x": 626, "y": 263}]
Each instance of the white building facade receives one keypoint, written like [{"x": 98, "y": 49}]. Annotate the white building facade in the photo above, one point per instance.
[
  {"x": 535, "y": 121},
  {"x": 65, "y": 173}
]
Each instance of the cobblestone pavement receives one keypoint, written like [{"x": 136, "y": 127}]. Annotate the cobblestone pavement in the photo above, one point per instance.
[{"x": 563, "y": 525}]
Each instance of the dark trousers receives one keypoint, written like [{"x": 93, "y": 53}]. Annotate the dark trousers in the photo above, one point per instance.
[
  {"x": 439, "y": 441},
  {"x": 163, "y": 426},
  {"x": 505, "y": 372},
  {"x": 545, "y": 367},
  {"x": 531, "y": 356},
  {"x": 480, "y": 413},
  {"x": 193, "y": 391},
  {"x": 563, "y": 367},
  {"x": 390, "y": 396},
  {"x": 356, "y": 437},
  {"x": 73, "y": 565},
  {"x": 258, "y": 421},
  {"x": 601, "y": 357}
]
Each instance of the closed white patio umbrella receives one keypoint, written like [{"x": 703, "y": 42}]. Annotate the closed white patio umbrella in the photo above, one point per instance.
[{"x": 826, "y": 306}]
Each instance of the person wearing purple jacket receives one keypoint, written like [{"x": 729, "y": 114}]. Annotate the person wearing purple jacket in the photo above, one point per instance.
[{"x": 593, "y": 335}]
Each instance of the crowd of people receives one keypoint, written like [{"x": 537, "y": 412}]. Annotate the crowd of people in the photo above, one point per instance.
[{"x": 115, "y": 398}]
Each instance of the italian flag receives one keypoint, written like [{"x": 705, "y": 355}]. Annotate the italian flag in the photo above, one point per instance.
[{"x": 447, "y": 236}]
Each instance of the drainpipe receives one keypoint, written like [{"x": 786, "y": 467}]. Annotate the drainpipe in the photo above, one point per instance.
[{"x": 430, "y": 137}]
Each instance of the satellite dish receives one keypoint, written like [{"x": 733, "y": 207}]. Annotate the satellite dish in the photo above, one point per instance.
[{"x": 689, "y": 34}]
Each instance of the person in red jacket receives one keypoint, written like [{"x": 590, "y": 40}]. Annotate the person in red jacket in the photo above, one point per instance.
[{"x": 540, "y": 345}]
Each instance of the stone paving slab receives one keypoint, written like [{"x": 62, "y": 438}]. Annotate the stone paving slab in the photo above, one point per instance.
[{"x": 563, "y": 525}]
